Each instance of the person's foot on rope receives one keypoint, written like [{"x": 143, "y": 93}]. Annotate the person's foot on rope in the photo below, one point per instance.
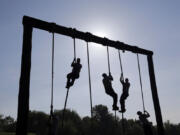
[
  {"x": 67, "y": 86},
  {"x": 115, "y": 108},
  {"x": 122, "y": 110}
]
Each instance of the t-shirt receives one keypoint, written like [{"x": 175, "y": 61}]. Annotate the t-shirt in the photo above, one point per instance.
[
  {"x": 143, "y": 119},
  {"x": 107, "y": 83},
  {"x": 126, "y": 87},
  {"x": 76, "y": 68}
]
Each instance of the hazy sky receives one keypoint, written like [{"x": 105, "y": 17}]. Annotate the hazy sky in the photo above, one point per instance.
[{"x": 153, "y": 25}]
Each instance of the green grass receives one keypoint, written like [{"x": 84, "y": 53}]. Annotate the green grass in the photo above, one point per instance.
[{"x": 8, "y": 133}]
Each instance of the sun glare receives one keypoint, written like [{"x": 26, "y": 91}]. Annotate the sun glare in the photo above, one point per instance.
[{"x": 99, "y": 33}]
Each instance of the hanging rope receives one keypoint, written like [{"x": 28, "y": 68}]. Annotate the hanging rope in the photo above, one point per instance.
[
  {"x": 115, "y": 116},
  {"x": 140, "y": 80},
  {"x": 109, "y": 68},
  {"x": 120, "y": 62},
  {"x": 89, "y": 74},
  {"x": 121, "y": 67},
  {"x": 67, "y": 93},
  {"x": 52, "y": 74},
  {"x": 123, "y": 128},
  {"x": 74, "y": 48}
]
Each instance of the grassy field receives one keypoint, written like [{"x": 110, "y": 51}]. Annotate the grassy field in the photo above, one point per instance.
[{"x": 8, "y": 133}]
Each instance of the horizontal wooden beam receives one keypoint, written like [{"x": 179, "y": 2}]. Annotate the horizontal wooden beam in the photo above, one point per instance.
[{"x": 86, "y": 36}]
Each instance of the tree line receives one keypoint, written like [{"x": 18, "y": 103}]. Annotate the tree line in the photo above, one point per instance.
[{"x": 102, "y": 123}]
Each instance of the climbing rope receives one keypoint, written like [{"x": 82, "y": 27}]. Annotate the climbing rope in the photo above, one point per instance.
[
  {"x": 109, "y": 68},
  {"x": 52, "y": 86},
  {"x": 74, "y": 48},
  {"x": 89, "y": 74},
  {"x": 120, "y": 62},
  {"x": 52, "y": 74},
  {"x": 121, "y": 67},
  {"x": 140, "y": 80},
  {"x": 67, "y": 93}
]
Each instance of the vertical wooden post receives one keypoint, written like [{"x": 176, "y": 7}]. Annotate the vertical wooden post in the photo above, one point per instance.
[
  {"x": 23, "y": 99},
  {"x": 160, "y": 128}
]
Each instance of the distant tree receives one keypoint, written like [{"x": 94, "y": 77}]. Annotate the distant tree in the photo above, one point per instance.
[
  {"x": 8, "y": 120},
  {"x": 1, "y": 122},
  {"x": 105, "y": 120},
  {"x": 171, "y": 129},
  {"x": 10, "y": 124},
  {"x": 132, "y": 127},
  {"x": 102, "y": 123},
  {"x": 38, "y": 122},
  {"x": 7, "y": 124},
  {"x": 90, "y": 126},
  {"x": 72, "y": 122}
]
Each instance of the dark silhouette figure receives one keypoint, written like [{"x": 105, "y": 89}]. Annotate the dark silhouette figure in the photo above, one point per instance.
[
  {"x": 75, "y": 72},
  {"x": 125, "y": 92},
  {"x": 109, "y": 90},
  {"x": 147, "y": 126}
]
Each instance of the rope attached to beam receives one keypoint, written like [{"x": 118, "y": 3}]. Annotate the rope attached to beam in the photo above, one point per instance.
[
  {"x": 120, "y": 62},
  {"x": 122, "y": 73},
  {"x": 67, "y": 93},
  {"x": 52, "y": 87},
  {"x": 140, "y": 80},
  {"x": 109, "y": 68},
  {"x": 89, "y": 74},
  {"x": 74, "y": 48},
  {"x": 52, "y": 74}
]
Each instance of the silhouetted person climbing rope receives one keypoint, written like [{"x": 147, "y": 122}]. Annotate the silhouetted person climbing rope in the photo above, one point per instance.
[
  {"x": 109, "y": 90},
  {"x": 125, "y": 92},
  {"x": 145, "y": 123},
  {"x": 75, "y": 72}
]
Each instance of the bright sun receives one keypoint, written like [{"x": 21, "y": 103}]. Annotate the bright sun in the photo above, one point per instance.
[{"x": 99, "y": 33}]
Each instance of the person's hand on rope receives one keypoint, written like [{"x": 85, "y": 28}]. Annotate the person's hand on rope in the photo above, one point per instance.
[
  {"x": 145, "y": 112},
  {"x": 74, "y": 60},
  {"x": 110, "y": 74},
  {"x": 121, "y": 78}
]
